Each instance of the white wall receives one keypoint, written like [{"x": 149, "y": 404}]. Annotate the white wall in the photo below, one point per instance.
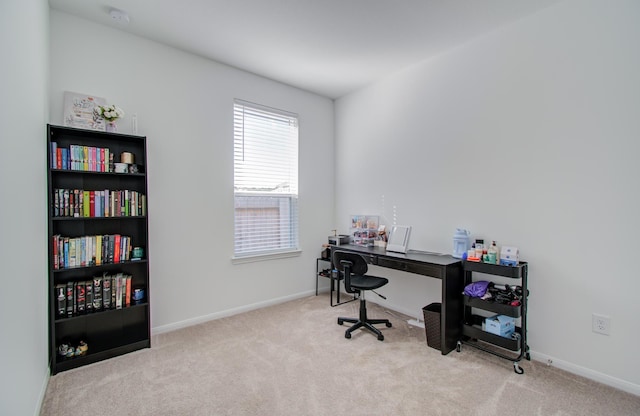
[
  {"x": 527, "y": 136},
  {"x": 184, "y": 105},
  {"x": 23, "y": 226}
]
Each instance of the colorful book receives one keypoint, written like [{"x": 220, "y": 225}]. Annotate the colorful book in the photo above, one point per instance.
[
  {"x": 85, "y": 158},
  {"x": 72, "y": 252},
  {"x": 98, "y": 250},
  {"x": 85, "y": 204},
  {"x": 80, "y": 298},
  {"x": 53, "y": 156},
  {"x": 116, "y": 248}
]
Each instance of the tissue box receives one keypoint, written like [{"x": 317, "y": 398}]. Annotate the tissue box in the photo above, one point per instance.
[
  {"x": 500, "y": 325},
  {"x": 509, "y": 256}
]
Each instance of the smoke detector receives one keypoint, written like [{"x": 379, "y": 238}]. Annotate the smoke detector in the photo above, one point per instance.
[{"x": 119, "y": 16}]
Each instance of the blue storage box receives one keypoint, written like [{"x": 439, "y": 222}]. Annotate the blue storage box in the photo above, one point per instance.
[{"x": 500, "y": 325}]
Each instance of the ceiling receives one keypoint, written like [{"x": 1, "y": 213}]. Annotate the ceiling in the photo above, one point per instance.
[{"x": 329, "y": 47}]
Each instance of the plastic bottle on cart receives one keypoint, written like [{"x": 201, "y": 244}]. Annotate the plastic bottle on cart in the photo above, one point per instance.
[
  {"x": 460, "y": 242},
  {"x": 494, "y": 254}
]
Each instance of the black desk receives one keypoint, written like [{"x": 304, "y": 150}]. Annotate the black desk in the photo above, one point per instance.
[{"x": 443, "y": 267}]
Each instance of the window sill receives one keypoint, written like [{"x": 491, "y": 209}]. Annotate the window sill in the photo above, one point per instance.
[{"x": 265, "y": 257}]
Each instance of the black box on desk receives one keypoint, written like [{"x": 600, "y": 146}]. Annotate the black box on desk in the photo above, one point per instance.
[{"x": 338, "y": 240}]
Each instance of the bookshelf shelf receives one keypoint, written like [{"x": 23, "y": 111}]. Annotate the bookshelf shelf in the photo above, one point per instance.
[{"x": 92, "y": 274}]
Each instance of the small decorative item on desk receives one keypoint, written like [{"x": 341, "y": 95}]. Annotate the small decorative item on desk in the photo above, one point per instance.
[{"x": 110, "y": 113}]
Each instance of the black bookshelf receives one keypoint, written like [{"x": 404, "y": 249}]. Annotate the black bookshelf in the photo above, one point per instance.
[{"x": 111, "y": 329}]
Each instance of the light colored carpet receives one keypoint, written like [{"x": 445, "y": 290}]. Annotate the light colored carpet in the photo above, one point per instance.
[{"x": 293, "y": 359}]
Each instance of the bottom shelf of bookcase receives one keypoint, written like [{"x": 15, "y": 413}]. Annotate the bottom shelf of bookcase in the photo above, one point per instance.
[
  {"x": 106, "y": 333},
  {"x": 70, "y": 363}
]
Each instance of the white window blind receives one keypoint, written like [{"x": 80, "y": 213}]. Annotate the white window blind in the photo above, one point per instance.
[{"x": 265, "y": 180}]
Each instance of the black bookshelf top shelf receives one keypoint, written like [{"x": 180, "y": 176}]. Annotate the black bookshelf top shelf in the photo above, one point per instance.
[{"x": 83, "y": 133}]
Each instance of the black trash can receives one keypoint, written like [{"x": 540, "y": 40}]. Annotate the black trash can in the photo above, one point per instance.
[{"x": 432, "y": 324}]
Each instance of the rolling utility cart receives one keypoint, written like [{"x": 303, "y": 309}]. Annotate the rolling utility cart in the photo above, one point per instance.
[
  {"x": 472, "y": 330},
  {"x": 324, "y": 268}
]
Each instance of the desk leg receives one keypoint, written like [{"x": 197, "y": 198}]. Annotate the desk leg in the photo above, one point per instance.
[{"x": 452, "y": 308}]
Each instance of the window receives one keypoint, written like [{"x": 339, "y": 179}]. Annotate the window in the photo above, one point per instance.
[{"x": 265, "y": 180}]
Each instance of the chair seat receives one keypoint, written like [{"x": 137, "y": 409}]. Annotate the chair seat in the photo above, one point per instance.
[{"x": 365, "y": 282}]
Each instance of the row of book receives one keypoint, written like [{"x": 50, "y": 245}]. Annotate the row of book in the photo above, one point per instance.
[
  {"x": 104, "y": 292},
  {"x": 90, "y": 250},
  {"x": 103, "y": 203},
  {"x": 79, "y": 157}
]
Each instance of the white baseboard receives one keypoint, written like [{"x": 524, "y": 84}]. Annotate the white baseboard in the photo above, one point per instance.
[
  {"x": 587, "y": 373},
  {"x": 229, "y": 312},
  {"x": 43, "y": 391}
]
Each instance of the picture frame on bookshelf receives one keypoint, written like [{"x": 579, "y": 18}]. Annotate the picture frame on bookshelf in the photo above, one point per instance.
[{"x": 78, "y": 111}]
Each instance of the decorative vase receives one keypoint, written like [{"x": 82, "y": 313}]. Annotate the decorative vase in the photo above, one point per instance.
[{"x": 112, "y": 127}]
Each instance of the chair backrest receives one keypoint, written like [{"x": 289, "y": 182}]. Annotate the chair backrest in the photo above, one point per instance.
[{"x": 355, "y": 264}]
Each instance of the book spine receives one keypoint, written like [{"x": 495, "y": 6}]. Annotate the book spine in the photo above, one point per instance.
[
  {"x": 106, "y": 203},
  {"x": 72, "y": 252},
  {"x": 85, "y": 158},
  {"x": 77, "y": 202},
  {"x": 92, "y": 204},
  {"x": 56, "y": 258},
  {"x": 66, "y": 252},
  {"x": 92, "y": 252},
  {"x": 128, "y": 291},
  {"x": 116, "y": 248},
  {"x": 99, "y": 204},
  {"x": 82, "y": 242},
  {"x": 89, "y": 295},
  {"x": 97, "y": 293},
  {"x": 118, "y": 288},
  {"x": 72, "y": 157},
  {"x": 53, "y": 155},
  {"x": 102, "y": 149},
  {"x": 85, "y": 204},
  {"x": 111, "y": 247},
  {"x": 80, "y": 298},
  {"x": 56, "y": 202},
  {"x": 92, "y": 158},
  {"x": 107, "y": 285},
  {"x": 65, "y": 203},
  {"x": 70, "y": 299},
  {"x": 98, "y": 250},
  {"x": 61, "y": 300}
]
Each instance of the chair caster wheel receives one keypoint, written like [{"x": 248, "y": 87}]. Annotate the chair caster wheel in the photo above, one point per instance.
[
  {"x": 388, "y": 324},
  {"x": 340, "y": 321},
  {"x": 380, "y": 337},
  {"x": 347, "y": 335}
]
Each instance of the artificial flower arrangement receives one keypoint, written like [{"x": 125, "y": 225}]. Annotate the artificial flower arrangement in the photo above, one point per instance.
[{"x": 109, "y": 112}]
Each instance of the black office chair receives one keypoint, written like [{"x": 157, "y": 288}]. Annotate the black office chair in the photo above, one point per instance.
[{"x": 355, "y": 268}]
